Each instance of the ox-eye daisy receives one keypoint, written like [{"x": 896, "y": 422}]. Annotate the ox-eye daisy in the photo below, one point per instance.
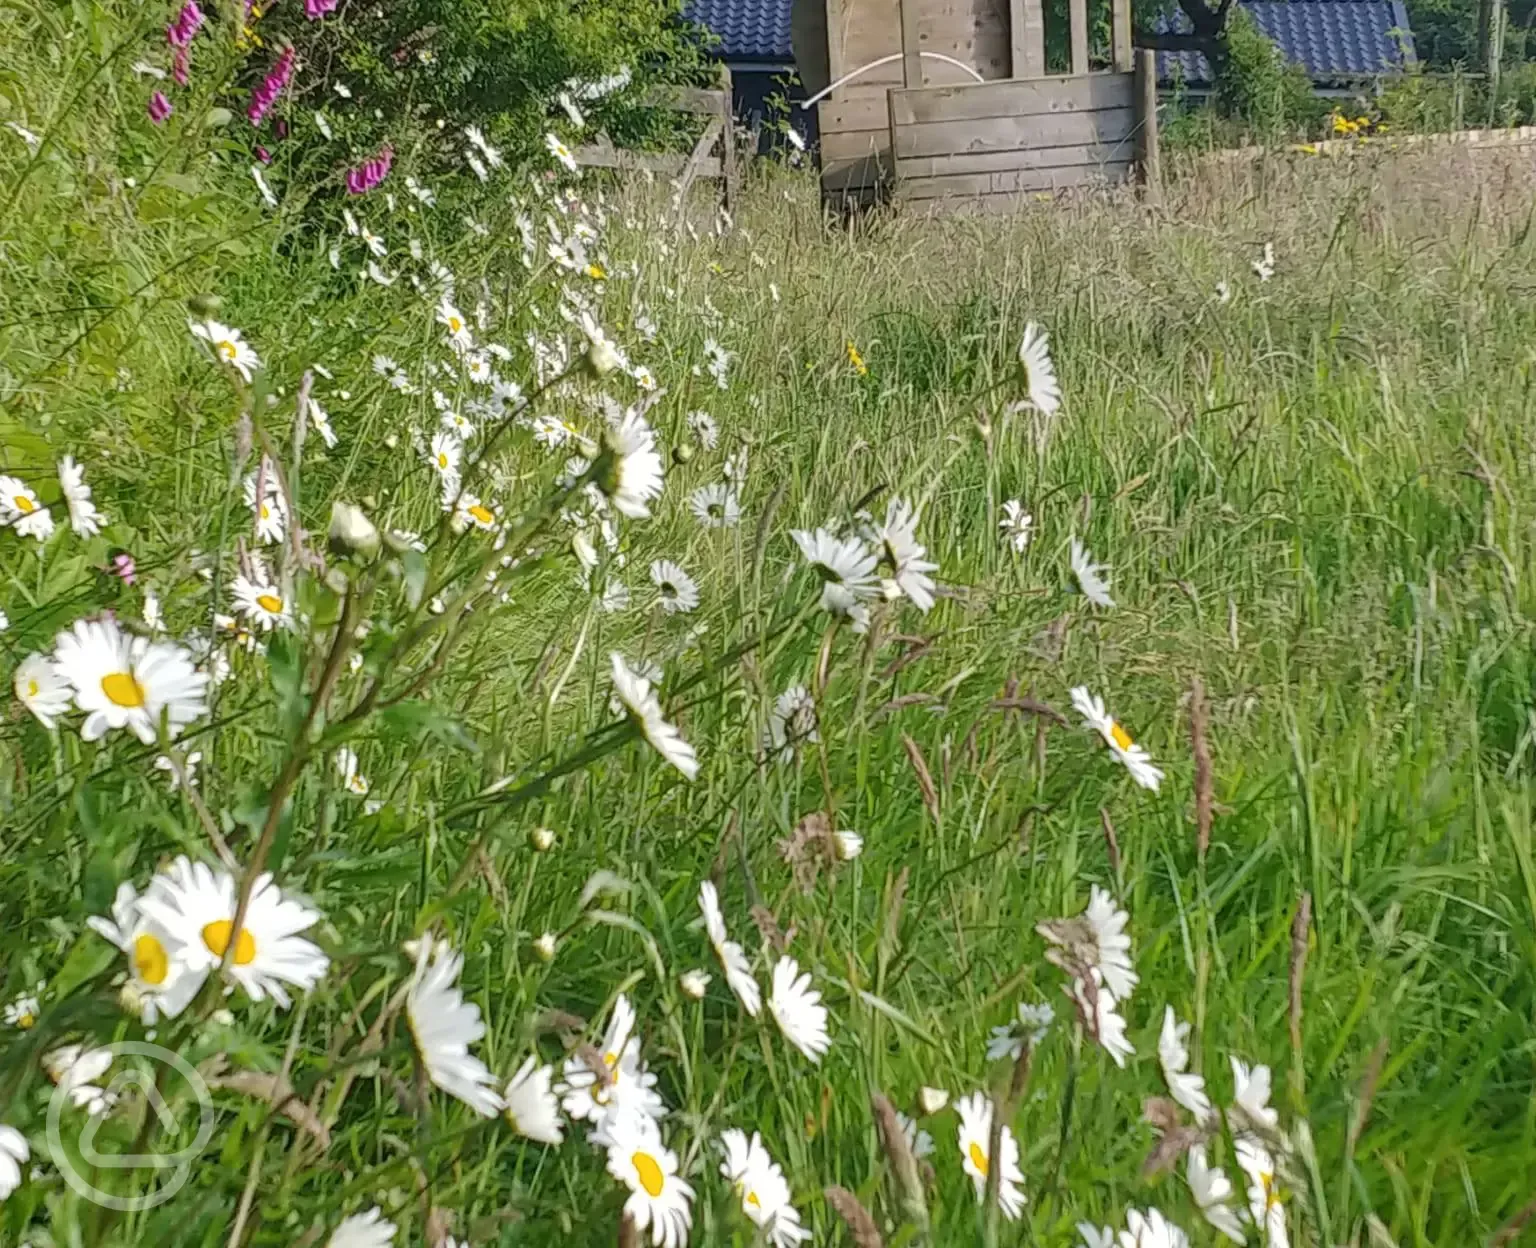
[
  {"x": 633, "y": 475},
  {"x": 469, "y": 511},
  {"x": 738, "y": 971},
  {"x": 443, "y": 1026},
  {"x": 659, "y": 1199},
  {"x": 634, "y": 691},
  {"x": 228, "y": 346},
  {"x": 1264, "y": 1205},
  {"x": 352, "y": 779},
  {"x": 560, "y": 152},
  {"x": 846, "y": 568},
  {"x": 13, "y": 1152},
  {"x": 676, "y": 591},
  {"x": 902, "y": 554},
  {"x": 974, "y": 1139},
  {"x": 260, "y": 603},
  {"x": 1173, "y": 1054},
  {"x": 159, "y": 983},
  {"x": 20, "y": 508},
  {"x": 1091, "y": 576},
  {"x": 129, "y": 682},
  {"x": 1135, "y": 757},
  {"x": 193, "y": 908},
  {"x": 1151, "y": 1230},
  {"x": 42, "y": 688},
  {"x": 1212, "y": 1191},
  {"x": 530, "y": 1104},
  {"x": 600, "y": 1086},
  {"x": 715, "y": 506},
  {"x": 363, "y": 1230},
  {"x": 83, "y": 516},
  {"x": 762, "y": 1187},
  {"x": 1017, "y": 525},
  {"x": 796, "y": 1007},
  {"x": 1041, "y": 389}
]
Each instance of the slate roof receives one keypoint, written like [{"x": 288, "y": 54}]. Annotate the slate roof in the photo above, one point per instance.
[
  {"x": 1330, "y": 39},
  {"x": 749, "y": 30}
]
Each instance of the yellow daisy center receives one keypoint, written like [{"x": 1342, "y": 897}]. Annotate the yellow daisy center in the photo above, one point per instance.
[
  {"x": 648, "y": 1171},
  {"x": 482, "y": 515},
  {"x": 23, "y": 504},
  {"x": 442, "y": 460},
  {"x": 32, "y": 689},
  {"x": 595, "y": 271},
  {"x": 266, "y": 512},
  {"x": 226, "y": 350},
  {"x": 216, "y": 937},
  {"x": 270, "y": 603},
  {"x": 1121, "y": 736},
  {"x": 150, "y": 961},
  {"x": 454, "y": 324},
  {"x": 122, "y": 689},
  {"x": 978, "y": 1158},
  {"x": 26, "y": 1020},
  {"x": 751, "y": 1199}
]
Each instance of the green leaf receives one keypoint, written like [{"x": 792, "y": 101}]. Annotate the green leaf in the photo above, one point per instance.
[
  {"x": 421, "y": 721},
  {"x": 90, "y": 956}
]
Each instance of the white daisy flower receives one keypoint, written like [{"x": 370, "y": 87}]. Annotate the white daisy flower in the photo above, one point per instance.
[
  {"x": 188, "y": 766},
  {"x": 1264, "y": 1206},
  {"x": 451, "y": 319},
  {"x": 1108, "y": 1024},
  {"x": 796, "y": 1007},
  {"x": 1032, "y": 1024},
  {"x": 321, "y": 423},
  {"x": 1090, "y": 576},
  {"x": 733, "y": 958},
  {"x": 160, "y": 984},
  {"x": 561, "y": 152},
  {"x": 1107, "y": 923},
  {"x": 192, "y": 907},
  {"x": 20, "y": 508},
  {"x": 13, "y": 1154},
  {"x": 623, "y": 1087},
  {"x": 261, "y": 185},
  {"x": 446, "y": 454},
  {"x": 694, "y": 983},
  {"x": 1223, "y": 292},
  {"x": 902, "y": 554},
  {"x": 1017, "y": 525},
  {"x": 83, "y": 516},
  {"x": 676, "y": 591},
  {"x": 22, "y": 1012},
  {"x": 443, "y": 1026},
  {"x": 530, "y": 1104},
  {"x": 261, "y": 604},
  {"x": 846, "y": 568},
  {"x": 762, "y": 1187},
  {"x": 634, "y": 476},
  {"x": 974, "y": 1139},
  {"x": 848, "y": 845},
  {"x": 376, "y": 273},
  {"x": 715, "y": 506},
  {"x": 1212, "y": 1191},
  {"x": 477, "y": 367},
  {"x": 1187, "y": 1089},
  {"x": 1135, "y": 757},
  {"x": 459, "y": 425},
  {"x": 1151, "y": 1230},
  {"x": 363, "y": 1230},
  {"x": 717, "y": 362},
  {"x": 1041, "y": 389},
  {"x": 704, "y": 429},
  {"x": 659, "y": 1199},
  {"x": 352, "y": 779},
  {"x": 1250, "y": 1095},
  {"x": 271, "y": 513},
  {"x": 644, "y": 710},
  {"x": 75, "y": 1070},
  {"x": 644, "y": 378},
  {"x": 323, "y": 125},
  {"x": 1095, "y": 1236},
  {"x": 129, "y": 682},
  {"x": 470, "y": 511},
  {"x": 1264, "y": 266},
  {"x": 42, "y": 688},
  {"x": 228, "y": 346},
  {"x": 791, "y": 723}
]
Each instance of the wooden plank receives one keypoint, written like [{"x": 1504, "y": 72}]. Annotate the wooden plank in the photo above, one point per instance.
[
  {"x": 1111, "y": 127},
  {"x": 1028, "y": 38},
  {"x": 1004, "y": 162},
  {"x": 856, "y": 145},
  {"x": 1122, "y": 55},
  {"x": 1148, "y": 153},
  {"x": 730, "y": 173},
  {"x": 911, "y": 59},
  {"x": 1024, "y": 98},
  {"x": 847, "y": 175},
  {"x": 1078, "y": 17},
  {"x": 837, "y": 28},
  {"x": 855, "y": 107},
  {"x": 667, "y": 164},
  {"x": 707, "y": 100},
  {"x": 1016, "y": 182}
]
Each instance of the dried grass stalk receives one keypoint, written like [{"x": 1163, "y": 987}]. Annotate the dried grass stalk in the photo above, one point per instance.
[
  {"x": 924, "y": 776},
  {"x": 860, "y": 1225},
  {"x": 1200, "y": 746}
]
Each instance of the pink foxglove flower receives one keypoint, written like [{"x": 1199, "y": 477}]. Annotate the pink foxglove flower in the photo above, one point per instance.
[
  {"x": 159, "y": 107},
  {"x": 316, "y": 9},
  {"x": 363, "y": 179},
  {"x": 180, "y": 32},
  {"x": 273, "y": 85}
]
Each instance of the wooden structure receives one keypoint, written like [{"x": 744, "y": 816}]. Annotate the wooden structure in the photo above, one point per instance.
[
  {"x": 713, "y": 156},
  {"x": 950, "y": 100}
]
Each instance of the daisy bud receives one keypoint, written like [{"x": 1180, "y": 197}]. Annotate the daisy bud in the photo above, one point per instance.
[
  {"x": 603, "y": 358},
  {"x": 205, "y": 305},
  {"x": 542, "y": 839},
  {"x": 682, "y": 453},
  {"x": 544, "y": 946},
  {"x": 889, "y": 589},
  {"x": 849, "y": 845},
  {"x": 352, "y": 532},
  {"x": 931, "y": 1100},
  {"x": 391, "y": 441},
  {"x": 693, "y": 983}
]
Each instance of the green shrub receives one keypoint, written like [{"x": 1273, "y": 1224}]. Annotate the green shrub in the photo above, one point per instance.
[{"x": 1257, "y": 86}]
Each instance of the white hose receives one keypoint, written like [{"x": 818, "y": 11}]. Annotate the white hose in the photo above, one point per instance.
[{"x": 886, "y": 60}]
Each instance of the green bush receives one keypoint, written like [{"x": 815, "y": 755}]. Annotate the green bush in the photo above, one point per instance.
[{"x": 1258, "y": 87}]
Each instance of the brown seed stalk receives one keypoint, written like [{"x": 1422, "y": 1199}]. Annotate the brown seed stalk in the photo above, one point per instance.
[
  {"x": 924, "y": 776},
  {"x": 860, "y": 1225},
  {"x": 1199, "y": 720}
]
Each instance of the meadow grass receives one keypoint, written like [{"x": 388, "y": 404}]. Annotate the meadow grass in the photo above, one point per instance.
[{"x": 1314, "y": 501}]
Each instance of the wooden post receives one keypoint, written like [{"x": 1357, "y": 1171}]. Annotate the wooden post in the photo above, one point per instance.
[
  {"x": 1120, "y": 35},
  {"x": 1148, "y": 155},
  {"x": 911, "y": 58},
  {"x": 728, "y": 171},
  {"x": 1078, "y": 16},
  {"x": 1027, "y": 23}
]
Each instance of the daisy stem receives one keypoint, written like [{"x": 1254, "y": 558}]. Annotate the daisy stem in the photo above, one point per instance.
[{"x": 259, "y": 1146}]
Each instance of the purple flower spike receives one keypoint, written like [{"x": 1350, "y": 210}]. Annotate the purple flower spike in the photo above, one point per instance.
[
  {"x": 272, "y": 86},
  {"x": 159, "y": 107},
  {"x": 373, "y": 171},
  {"x": 316, "y": 9}
]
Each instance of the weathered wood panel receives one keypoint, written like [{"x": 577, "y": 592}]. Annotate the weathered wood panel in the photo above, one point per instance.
[
  {"x": 858, "y": 106},
  {"x": 1027, "y": 19},
  {"x": 1022, "y": 98},
  {"x": 1002, "y": 162},
  {"x": 1078, "y": 16},
  {"x": 976, "y": 33},
  {"x": 1112, "y": 128},
  {"x": 1122, "y": 56},
  {"x": 1015, "y": 181}
]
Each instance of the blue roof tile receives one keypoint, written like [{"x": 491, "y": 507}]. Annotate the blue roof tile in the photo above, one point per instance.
[
  {"x": 1327, "y": 38},
  {"x": 749, "y": 30}
]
